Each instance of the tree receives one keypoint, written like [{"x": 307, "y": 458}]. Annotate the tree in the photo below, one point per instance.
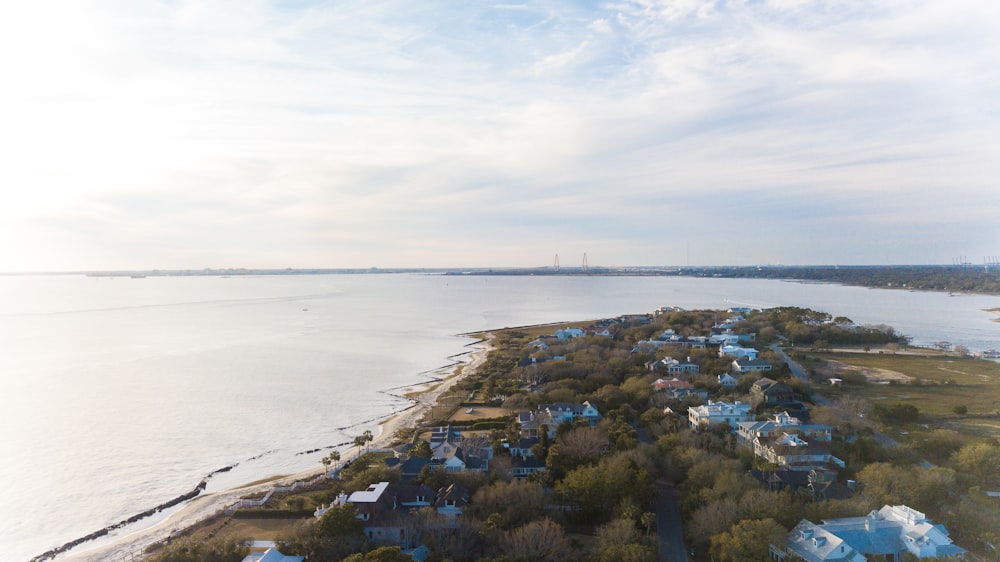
[
  {"x": 512, "y": 503},
  {"x": 542, "y": 541},
  {"x": 332, "y": 459},
  {"x": 980, "y": 461},
  {"x": 214, "y": 550},
  {"x": 648, "y": 520},
  {"x": 339, "y": 521},
  {"x": 381, "y": 554},
  {"x": 616, "y": 533},
  {"x": 747, "y": 541},
  {"x": 421, "y": 450},
  {"x": 629, "y": 553}
]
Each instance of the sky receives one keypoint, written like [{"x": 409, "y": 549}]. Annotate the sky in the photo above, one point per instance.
[{"x": 182, "y": 134}]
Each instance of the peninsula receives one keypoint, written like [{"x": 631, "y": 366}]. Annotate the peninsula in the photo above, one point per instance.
[{"x": 677, "y": 434}]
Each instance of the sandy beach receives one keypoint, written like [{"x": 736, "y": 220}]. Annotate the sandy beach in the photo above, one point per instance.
[{"x": 130, "y": 544}]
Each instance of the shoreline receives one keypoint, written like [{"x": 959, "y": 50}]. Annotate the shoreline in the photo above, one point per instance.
[{"x": 422, "y": 397}]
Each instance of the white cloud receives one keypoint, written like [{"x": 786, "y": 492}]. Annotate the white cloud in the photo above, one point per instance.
[{"x": 166, "y": 134}]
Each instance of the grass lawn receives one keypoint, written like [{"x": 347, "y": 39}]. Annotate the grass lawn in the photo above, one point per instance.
[
  {"x": 939, "y": 384},
  {"x": 256, "y": 529}
]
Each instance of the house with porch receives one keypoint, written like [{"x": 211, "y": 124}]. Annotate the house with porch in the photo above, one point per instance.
[
  {"x": 883, "y": 534},
  {"x": 744, "y": 365},
  {"x": 713, "y": 413}
]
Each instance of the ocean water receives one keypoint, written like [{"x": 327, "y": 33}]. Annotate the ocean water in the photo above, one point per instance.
[{"x": 121, "y": 394}]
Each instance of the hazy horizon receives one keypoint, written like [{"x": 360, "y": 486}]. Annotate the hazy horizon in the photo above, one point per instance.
[
  {"x": 190, "y": 134},
  {"x": 563, "y": 267}
]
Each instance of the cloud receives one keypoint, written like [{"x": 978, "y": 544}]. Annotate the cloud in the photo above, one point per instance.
[{"x": 340, "y": 134}]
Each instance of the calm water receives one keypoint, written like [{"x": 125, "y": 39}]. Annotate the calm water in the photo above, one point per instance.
[{"x": 124, "y": 393}]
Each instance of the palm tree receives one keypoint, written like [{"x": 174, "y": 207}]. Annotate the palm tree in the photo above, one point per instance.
[
  {"x": 359, "y": 442},
  {"x": 332, "y": 459},
  {"x": 368, "y": 438}
]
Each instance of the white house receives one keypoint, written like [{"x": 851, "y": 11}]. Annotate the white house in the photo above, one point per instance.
[
  {"x": 883, "y": 533},
  {"x": 558, "y": 412},
  {"x": 737, "y": 351},
  {"x": 718, "y": 412}
]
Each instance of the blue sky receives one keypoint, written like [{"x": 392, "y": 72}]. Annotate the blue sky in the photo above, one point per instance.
[{"x": 181, "y": 134}]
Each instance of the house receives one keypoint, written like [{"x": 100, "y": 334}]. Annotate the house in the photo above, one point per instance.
[
  {"x": 411, "y": 468},
  {"x": 559, "y": 412},
  {"x": 718, "y": 412},
  {"x": 794, "y": 452},
  {"x": 744, "y": 365},
  {"x": 648, "y": 346},
  {"x": 568, "y": 334},
  {"x": 749, "y": 432},
  {"x": 413, "y": 496},
  {"x": 523, "y": 446},
  {"x": 265, "y": 551},
  {"x": 529, "y": 424},
  {"x": 682, "y": 393},
  {"x": 885, "y": 533},
  {"x": 450, "y": 501},
  {"x": 673, "y": 366},
  {"x": 727, "y": 381},
  {"x": 634, "y": 319},
  {"x": 770, "y": 393},
  {"x": 449, "y": 456},
  {"x": 674, "y": 383},
  {"x": 732, "y": 350},
  {"x": 524, "y": 467},
  {"x": 272, "y": 555},
  {"x": 603, "y": 332}
]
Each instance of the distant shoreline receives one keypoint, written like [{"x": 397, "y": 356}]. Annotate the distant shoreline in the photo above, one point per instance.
[{"x": 956, "y": 278}]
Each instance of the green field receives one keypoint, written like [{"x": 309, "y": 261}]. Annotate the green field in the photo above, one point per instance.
[{"x": 940, "y": 383}]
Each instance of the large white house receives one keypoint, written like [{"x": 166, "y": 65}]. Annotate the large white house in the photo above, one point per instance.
[
  {"x": 886, "y": 533},
  {"x": 718, "y": 412}
]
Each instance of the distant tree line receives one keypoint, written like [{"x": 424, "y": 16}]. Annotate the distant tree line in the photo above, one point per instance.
[{"x": 969, "y": 279}]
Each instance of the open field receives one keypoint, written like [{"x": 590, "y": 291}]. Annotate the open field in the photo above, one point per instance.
[
  {"x": 934, "y": 383},
  {"x": 478, "y": 413}
]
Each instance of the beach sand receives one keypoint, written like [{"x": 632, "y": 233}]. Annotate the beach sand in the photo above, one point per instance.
[{"x": 204, "y": 506}]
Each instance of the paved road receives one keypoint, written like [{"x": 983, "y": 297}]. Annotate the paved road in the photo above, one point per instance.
[
  {"x": 669, "y": 535},
  {"x": 798, "y": 372}
]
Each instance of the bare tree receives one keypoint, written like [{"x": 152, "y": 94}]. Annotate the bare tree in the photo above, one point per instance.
[{"x": 542, "y": 540}]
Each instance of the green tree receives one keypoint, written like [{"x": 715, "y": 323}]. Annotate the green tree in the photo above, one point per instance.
[
  {"x": 980, "y": 461},
  {"x": 421, "y": 450},
  {"x": 339, "y": 521},
  {"x": 747, "y": 541}
]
